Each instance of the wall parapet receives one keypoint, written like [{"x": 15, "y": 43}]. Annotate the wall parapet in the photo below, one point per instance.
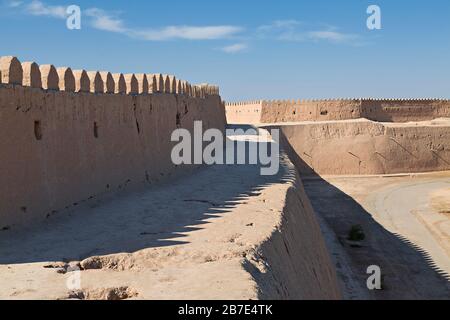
[
  {"x": 49, "y": 77},
  {"x": 377, "y": 109},
  {"x": 300, "y": 101},
  {"x": 71, "y": 136}
]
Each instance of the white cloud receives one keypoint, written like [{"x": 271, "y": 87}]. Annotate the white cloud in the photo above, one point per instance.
[
  {"x": 186, "y": 32},
  {"x": 14, "y": 3},
  {"x": 235, "y": 48},
  {"x": 106, "y": 21},
  {"x": 284, "y": 30},
  {"x": 103, "y": 21},
  {"x": 38, "y": 8},
  {"x": 280, "y": 30},
  {"x": 280, "y": 24},
  {"x": 290, "y": 30},
  {"x": 332, "y": 36}
]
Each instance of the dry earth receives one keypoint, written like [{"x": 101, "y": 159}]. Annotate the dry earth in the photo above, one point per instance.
[
  {"x": 218, "y": 234},
  {"x": 226, "y": 232},
  {"x": 407, "y": 228}
]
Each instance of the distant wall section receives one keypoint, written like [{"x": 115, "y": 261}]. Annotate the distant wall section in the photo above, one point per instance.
[{"x": 388, "y": 110}]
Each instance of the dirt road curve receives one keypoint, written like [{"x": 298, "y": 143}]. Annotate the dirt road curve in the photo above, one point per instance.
[
  {"x": 407, "y": 226},
  {"x": 409, "y": 209}
]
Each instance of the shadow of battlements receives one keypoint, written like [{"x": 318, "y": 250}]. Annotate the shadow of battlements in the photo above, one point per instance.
[
  {"x": 160, "y": 216},
  {"x": 408, "y": 271}
]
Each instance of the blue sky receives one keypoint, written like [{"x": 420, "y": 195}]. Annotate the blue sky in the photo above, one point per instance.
[{"x": 251, "y": 49}]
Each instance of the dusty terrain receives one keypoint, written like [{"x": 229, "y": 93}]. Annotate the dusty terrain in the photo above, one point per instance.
[
  {"x": 405, "y": 217},
  {"x": 245, "y": 236},
  {"x": 93, "y": 207},
  {"x": 407, "y": 227},
  {"x": 225, "y": 232}
]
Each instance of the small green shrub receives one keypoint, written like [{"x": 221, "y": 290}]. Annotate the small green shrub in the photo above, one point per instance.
[{"x": 356, "y": 233}]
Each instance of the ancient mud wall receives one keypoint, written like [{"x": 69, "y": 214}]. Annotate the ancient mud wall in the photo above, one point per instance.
[
  {"x": 314, "y": 110},
  {"x": 367, "y": 147},
  {"x": 390, "y": 110},
  {"x": 67, "y": 137},
  {"x": 296, "y": 261},
  {"x": 244, "y": 112},
  {"x": 405, "y": 110}
]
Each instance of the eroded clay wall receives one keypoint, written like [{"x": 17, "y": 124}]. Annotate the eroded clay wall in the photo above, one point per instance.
[
  {"x": 244, "y": 113},
  {"x": 309, "y": 110},
  {"x": 298, "y": 263},
  {"x": 394, "y": 110},
  {"x": 61, "y": 148},
  {"x": 405, "y": 110},
  {"x": 365, "y": 147}
]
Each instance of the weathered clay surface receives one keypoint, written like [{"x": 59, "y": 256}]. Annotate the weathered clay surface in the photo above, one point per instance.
[
  {"x": 395, "y": 110},
  {"x": 70, "y": 147},
  {"x": 61, "y": 148},
  {"x": 367, "y": 147},
  {"x": 245, "y": 236}
]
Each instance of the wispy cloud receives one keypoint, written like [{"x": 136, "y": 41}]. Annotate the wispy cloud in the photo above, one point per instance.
[
  {"x": 38, "y": 8},
  {"x": 106, "y": 21},
  {"x": 279, "y": 24},
  {"x": 14, "y": 3},
  {"x": 282, "y": 30},
  {"x": 235, "y": 48},
  {"x": 102, "y": 20},
  {"x": 293, "y": 30},
  {"x": 186, "y": 32},
  {"x": 332, "y": 36}
]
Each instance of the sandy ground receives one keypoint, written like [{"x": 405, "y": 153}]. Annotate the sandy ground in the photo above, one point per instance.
[
  {"x": 183, "y": 240},
  {"x": 407, "y": 225},
  {"x": 416, "y": 210},
  {"x": 188, "y": 239}
]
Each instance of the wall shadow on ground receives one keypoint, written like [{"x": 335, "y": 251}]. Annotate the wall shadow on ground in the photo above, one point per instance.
[
  {"x": 156, "y": 217},
  {"x": 408, "y": 270}
]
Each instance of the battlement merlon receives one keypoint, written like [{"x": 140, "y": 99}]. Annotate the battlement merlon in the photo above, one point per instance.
[{"x": 49, "y": 77}]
